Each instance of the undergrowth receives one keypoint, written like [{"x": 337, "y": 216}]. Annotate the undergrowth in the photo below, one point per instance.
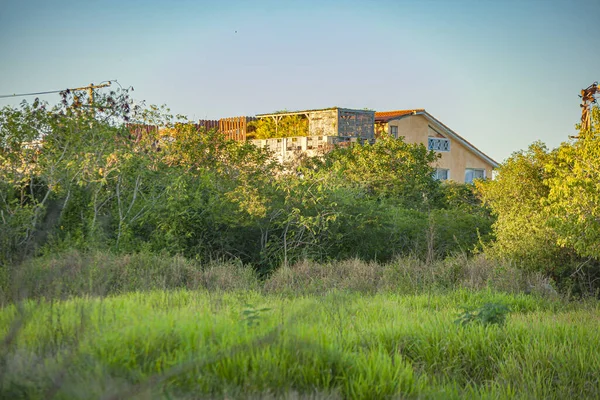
[
  {"x": 185, "y": 344},
  {"x": 98, "y": 325},
  {"x": 96, "y": 273}
]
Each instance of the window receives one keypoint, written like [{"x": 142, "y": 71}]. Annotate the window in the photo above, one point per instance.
[
  {"x": 394, "y": 131},
  {"x": 441, "y": 174},
  {"x": 471, "y": 174},
  {"x": 438, "y": 144}
]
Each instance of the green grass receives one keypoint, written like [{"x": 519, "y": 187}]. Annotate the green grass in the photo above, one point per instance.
[{"x": 201, "y": 344}]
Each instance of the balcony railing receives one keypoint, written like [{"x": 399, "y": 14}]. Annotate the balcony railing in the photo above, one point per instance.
[{"x": 438, "y": 144}]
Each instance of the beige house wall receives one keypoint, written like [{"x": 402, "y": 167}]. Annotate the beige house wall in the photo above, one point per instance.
[
  {"x": 417, "y": 129},
  {"x": 414, "y": 128}
]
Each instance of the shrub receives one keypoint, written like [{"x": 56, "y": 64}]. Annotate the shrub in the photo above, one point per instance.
[{"x": 487, "y": 314}]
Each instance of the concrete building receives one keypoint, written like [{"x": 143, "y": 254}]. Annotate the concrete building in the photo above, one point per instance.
[
  {"x": 335, "y": 121},
  {"x": 460, "y": 161},
  {"x": 326, "y": 128}
]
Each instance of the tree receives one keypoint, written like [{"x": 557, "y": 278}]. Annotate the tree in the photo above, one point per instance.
[
  {"x": 22, "y": 195},
  {"x": 53, "y": 156},
  {"x": 517, "y": 197},
  {"x": 574, "y": 196},
  {"x": 389, "y": 168}
]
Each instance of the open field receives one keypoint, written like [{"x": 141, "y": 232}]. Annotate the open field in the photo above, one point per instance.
[{"x": 243, "y": 343}]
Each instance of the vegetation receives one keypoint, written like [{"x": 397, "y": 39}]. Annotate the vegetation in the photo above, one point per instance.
[
  {"x": 191, "y": 344},
  {"x": 170, "y": 263},
  {"x": 100, "y": 180},
  {"x": 97, "y": 273},
  {"x": 284, "y": 126},
  {"x": 547, "y": 205}
]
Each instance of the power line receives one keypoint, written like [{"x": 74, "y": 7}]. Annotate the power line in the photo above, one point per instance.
[{"x": 6, "y": 96}]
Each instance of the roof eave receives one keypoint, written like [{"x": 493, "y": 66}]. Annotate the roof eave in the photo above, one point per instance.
[{"x": 388, "y": 119}]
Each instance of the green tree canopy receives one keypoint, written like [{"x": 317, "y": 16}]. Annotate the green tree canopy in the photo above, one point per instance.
[
  {"x": 574, "y": 195},
  {"x": 547, "y": 205},
  {"x": 388, "y": 168}
]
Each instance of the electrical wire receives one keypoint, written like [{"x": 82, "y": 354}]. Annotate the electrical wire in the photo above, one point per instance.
[{"x": 6, "y": 96}]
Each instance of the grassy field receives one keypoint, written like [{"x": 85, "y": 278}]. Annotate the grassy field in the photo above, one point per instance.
[{"x": 202, "y": 343}]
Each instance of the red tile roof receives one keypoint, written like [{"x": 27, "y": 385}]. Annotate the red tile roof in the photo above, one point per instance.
[{"x": 385, "y": 116}]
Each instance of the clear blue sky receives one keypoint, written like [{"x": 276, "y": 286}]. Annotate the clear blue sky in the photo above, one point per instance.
[{"x": 500, "y": 73}]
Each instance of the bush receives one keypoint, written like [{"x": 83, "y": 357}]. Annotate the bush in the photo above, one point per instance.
[
  {"x": 487, "y": 314},
  {"x": 544, "y": 202}
]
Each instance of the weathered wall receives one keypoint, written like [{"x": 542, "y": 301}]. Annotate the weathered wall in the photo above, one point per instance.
[{"x": 322, "y": 123}]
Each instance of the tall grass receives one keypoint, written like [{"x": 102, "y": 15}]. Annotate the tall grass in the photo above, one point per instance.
[
  {"x": 97, "y": 325},
  {"x": 405, "y": 275},
  {"x": 190, "y": 344},
  {"x": 96, "y": 273}
]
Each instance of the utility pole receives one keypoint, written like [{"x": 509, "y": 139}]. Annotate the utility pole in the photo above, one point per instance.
[
  {"x": 587, "y": 99},
  {"x": 90, "y": 90}
]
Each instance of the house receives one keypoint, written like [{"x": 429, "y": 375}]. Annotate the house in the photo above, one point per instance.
[{"x": 460, "y": 161}]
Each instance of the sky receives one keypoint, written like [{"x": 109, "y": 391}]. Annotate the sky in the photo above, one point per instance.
[{"x": 502, "y": 74}]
